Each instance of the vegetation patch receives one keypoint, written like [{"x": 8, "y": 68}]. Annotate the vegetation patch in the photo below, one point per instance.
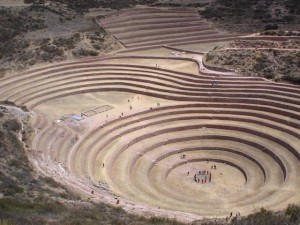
[
  {"x": 260, "y": 58},
  {"x": 255, "y": 15},
  {"x": 14, "y": 22},
  {"x": 40, "y": 33},
  {"x": 83, "y": 5}
]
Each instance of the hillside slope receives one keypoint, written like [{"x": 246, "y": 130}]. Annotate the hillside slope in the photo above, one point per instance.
[
  {"x": 275, "y": 60},
  {"x": 255, "y": 15}
]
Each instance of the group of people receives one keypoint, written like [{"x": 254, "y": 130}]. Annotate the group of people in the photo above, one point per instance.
[{"x": 202, "y": 177}]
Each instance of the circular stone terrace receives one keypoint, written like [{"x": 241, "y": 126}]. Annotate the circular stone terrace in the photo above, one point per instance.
[{"x": 158, "y": 133}]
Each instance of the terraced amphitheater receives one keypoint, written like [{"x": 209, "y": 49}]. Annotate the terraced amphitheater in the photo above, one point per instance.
[
  {"x": 146, "y": 27},
  {"x": 158, "y": 133}
]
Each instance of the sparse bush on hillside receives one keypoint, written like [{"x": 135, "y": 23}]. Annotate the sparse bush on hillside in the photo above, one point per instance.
[
  {"x": 85, "y": 52},
  {"x": 262, "y": 66},
  {"x": 262, "y": 59},
  {"x": 252, "y": 16},
  {"x": 83, "y": 5},
  {"x": 7, "y": 102},
  {"x": 14, "y": 23},
  {"x": 52, "y": 49},
  {"x": 293, "y": 6},
  {"x": 8, "y": 49},
  {"x": 7, "y": 222},
  {"x": 51, "y": 52},
  {"x": 67, "y": 43},
  {"x": 292, "y": 78},
  {"x": 271, "y": 26},
  {"x": 12, "y": 125},
  {"x": 29, "y": 1},
  {"x": 293, "y": 214}
]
